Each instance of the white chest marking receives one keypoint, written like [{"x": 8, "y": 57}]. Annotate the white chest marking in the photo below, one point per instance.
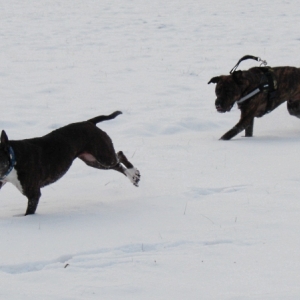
[{"x": 12, "y": 177}]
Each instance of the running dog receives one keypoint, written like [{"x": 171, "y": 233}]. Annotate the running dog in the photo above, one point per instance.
[{"x": 31, "y": 164}]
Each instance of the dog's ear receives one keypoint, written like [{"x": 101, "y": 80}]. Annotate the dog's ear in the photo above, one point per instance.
[
  {"x": 4, "y": 139},
  {"x": 214, "y": 80}
]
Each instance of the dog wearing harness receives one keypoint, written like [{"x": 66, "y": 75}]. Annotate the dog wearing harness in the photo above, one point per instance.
[{"x": 256, "y": 91}]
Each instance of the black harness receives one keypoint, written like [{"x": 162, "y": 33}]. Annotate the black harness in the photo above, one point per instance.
[{"x": 268, "y": 82}]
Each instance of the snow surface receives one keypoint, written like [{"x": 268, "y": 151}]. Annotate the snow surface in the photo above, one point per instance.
[{"x": 211, "y": 219}]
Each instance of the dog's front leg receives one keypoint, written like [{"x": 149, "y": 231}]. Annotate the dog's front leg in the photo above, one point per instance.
[
  {"x": 246, "y": 123},
  {"x": 33, "y": 201},
  {"x": 249, "y": 129},
  {"x": 231, "y": 133},
  {"x": 2, "y": 184}
]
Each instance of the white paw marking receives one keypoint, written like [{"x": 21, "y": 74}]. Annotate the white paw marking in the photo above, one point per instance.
[
  {"x": 12, "y": 177},
  {"x": 134, "y": 175}
]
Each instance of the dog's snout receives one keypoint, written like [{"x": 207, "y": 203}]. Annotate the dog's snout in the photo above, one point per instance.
[
  {"x": 219, "y": 105},
  {"x": 218, "y": 102}
]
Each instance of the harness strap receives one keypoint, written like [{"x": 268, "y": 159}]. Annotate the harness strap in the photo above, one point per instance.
[
  {"x": 260, "y": 88},
  {"x": 12, "y": 162},
  {"x": 269, "y": 87},
  {"x": 272, "y": 88},
  {"x": 253, "y": 93}
]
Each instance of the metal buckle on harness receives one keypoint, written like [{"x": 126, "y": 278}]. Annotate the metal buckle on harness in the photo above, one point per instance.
[{"x": 262, "y": 62}]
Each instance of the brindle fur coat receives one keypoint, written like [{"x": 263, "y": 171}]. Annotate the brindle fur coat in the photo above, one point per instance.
[{"x": 231, "y": 88}]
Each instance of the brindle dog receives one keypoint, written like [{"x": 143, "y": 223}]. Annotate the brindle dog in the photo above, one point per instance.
[{"x": 231, "y": 88}]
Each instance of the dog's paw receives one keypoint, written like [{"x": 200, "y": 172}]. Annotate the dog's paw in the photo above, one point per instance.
[{"x": 134, "y": 175}]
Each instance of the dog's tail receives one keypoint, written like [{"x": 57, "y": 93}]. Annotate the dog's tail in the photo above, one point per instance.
[{"x": 104, "y": 118}]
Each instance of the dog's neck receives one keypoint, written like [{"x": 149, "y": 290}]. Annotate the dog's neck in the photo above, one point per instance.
[{"x": 12, "y": 162}]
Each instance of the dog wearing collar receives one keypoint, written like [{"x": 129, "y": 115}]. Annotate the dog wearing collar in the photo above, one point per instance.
[
  {"x": 257, "y": 91},
  {"x": 34, "y": 163}
]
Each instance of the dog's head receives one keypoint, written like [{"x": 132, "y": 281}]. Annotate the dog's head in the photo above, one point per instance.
[
  {"x": 229, "y": 89},
  {"x": 4, "y": 154}
]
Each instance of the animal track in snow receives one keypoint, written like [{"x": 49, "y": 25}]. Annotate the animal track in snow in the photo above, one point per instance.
[
  {"x": 107, "y": 257},
  {"x": 33, "y": 266},
  {"x": 195, "y": 191}
]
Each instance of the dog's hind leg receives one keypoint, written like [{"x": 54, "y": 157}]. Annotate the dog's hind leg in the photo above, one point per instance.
[
  {"x": 130, "y": 171},
  {"x": 293, "y": 106},
  {"x": 121, "y": 165},
  {"x": 91, "y": 161},
  {"x": 123, "y": 159},
  {"x": 33, "y": 201}
]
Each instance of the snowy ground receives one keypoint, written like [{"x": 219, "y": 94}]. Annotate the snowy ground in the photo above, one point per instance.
[{"x": 211, "y": 219}]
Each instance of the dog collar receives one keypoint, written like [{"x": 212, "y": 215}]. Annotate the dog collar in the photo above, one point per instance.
[{"x": 12, "y": 162}]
